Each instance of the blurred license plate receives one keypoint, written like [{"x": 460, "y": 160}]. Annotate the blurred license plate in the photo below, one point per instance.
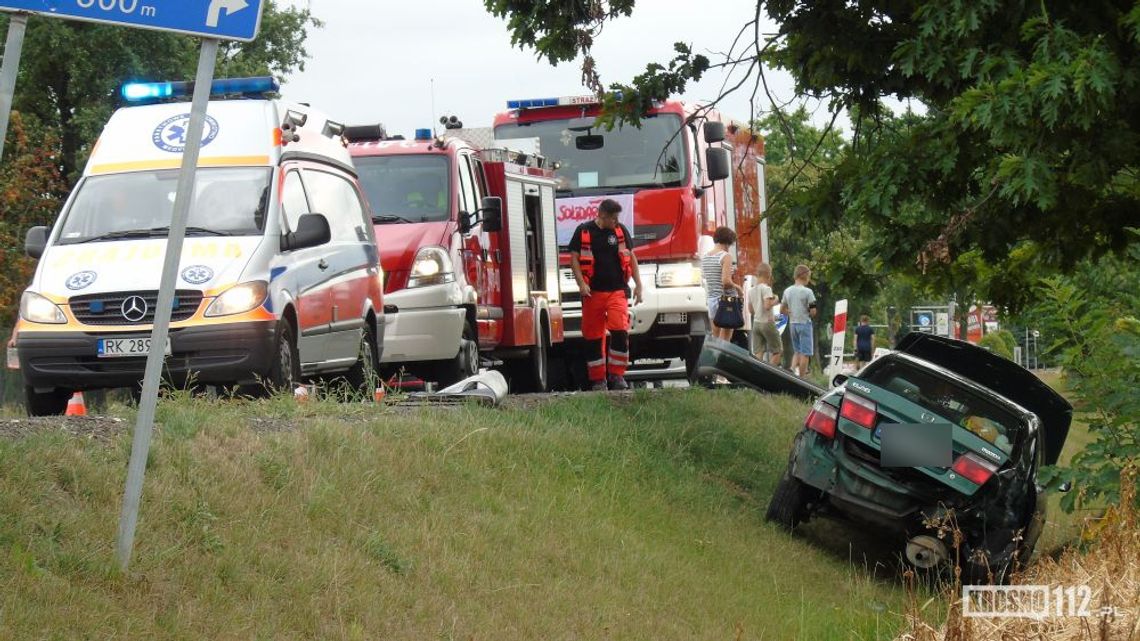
[
  {"x": 133, "y": 346},
  {"x": 673, "y": 318}
]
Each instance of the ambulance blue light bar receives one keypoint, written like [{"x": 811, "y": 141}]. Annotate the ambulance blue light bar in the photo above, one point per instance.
[
  {"x": 142, "y": 91},
  {"x": 423, "y": 134},
  {"x": 564, "y": 101}
]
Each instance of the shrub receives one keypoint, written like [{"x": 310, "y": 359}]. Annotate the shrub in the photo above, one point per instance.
[
  {"x": 995, "y": 344},
  {"x": 1092, "y": 312}
]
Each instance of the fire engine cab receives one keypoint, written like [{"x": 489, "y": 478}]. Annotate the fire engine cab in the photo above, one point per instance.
[
  {"x": 684, "y": 172},
  {"x": 469, "y": 254}
]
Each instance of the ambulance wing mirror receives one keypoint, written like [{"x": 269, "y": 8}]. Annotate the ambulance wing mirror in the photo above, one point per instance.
[
  {"x": 717, "y": 163},
  {"x": 492, "y": 211},
  {"x": 714, "y": 132},
  {"x": 36, "y": 241},
  {"x": 312, "y": 230}
]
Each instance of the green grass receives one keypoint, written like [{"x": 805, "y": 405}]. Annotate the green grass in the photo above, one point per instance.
[{"x": 586, "y": 517}]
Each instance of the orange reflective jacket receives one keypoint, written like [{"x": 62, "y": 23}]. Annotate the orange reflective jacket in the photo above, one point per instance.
[{"x": 586, "y": 256}]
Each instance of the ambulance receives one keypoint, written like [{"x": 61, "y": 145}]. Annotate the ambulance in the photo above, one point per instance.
[{"x": 280, "y": 276}]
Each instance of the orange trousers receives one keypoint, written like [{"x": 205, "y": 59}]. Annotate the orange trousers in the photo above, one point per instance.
[{"x": 602, "y": 312}]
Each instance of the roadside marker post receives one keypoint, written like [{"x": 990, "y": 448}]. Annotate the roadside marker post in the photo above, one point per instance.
[
  {"x": 838, "y": 338},
  {"x": 212, "y": 20}
]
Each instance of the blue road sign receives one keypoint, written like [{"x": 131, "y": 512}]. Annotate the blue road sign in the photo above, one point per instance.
[{"x": 222, "y": 19}]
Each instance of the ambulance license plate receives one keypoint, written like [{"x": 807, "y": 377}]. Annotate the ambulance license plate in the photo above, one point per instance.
[
  {"x": 129, "y": 346},
  {"x": 673, "y": 318}
]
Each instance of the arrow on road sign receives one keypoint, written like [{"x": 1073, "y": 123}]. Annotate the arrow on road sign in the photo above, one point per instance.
[{"x": 216, "y": 6}]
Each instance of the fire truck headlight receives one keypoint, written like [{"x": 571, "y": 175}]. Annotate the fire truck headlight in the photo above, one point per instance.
[
  {"x": 431, "y": 267},
  {"x": 37, "y": 309},
  {"x": 239, "y": 298},
  {"x": 678, "y": 275}
]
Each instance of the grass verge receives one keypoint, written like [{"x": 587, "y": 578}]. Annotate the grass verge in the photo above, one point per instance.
[{"x": 588, "y": 517}]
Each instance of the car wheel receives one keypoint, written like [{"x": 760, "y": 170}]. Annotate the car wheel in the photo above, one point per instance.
[
  {"x": 789, "y": 505},
  {"x": 465, "y": 363},
  {"x": 363, "y": 376},
  {"x": 51, "y": 403}
]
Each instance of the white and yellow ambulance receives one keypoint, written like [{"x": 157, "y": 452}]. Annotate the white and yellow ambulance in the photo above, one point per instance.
[{"x": 279, "y": 279}]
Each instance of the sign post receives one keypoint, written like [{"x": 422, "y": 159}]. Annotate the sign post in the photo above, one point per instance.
[
  {"x": 17, "y": 23},
  {"x": 212, "y": 20}
]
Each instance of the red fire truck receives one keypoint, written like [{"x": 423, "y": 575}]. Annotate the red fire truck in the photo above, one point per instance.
[
  {"x": 684, "y": 172},
  {"x": 467, "y": 245}
]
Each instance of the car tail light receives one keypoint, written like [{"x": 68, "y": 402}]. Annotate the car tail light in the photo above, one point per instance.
[
  {"x": 974, "y": 468},
  {"x": 822, "y": 419},
  {"x": 859, "y": 410}
]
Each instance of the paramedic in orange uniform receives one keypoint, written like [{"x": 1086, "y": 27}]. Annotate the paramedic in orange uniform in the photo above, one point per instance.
[{"x": 601, "y": 255}]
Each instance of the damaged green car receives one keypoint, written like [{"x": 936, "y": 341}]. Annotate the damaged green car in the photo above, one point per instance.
[{"x": 1004, "y": 424}]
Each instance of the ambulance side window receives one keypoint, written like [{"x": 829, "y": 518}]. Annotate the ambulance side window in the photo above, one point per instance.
[
  {"x": 339, "y": 201},
  {"x": 293, "y": 201},
  {"x": 469, "y": 202}
]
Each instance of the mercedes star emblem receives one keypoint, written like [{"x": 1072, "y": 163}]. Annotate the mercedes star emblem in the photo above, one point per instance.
[{"x": 134, "y": 308}]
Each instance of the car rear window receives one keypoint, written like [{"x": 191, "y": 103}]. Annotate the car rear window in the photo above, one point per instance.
[{"x": 948, "y": 399}]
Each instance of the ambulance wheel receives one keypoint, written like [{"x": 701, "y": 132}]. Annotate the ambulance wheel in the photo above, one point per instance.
[
  {"x": 285, "y": 371},
  {"x": 464, "y": 364},
  {"x": 364, "y": 374},
  {"x": 51, "y": 403}
]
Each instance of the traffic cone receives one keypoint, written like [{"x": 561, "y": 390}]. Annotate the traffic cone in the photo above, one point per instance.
[
  {"x": 76, "y": 406},
  {"x": 378, "y": 394}
]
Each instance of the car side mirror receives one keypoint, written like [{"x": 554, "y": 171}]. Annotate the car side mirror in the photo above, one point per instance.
[
  {"x": 838, "y": 380},
  {"x": 312, "y": 230},
  {"x": 717, "y": 162},
  {"x": 492, "y": 213},
  {"x": 714, "y": 132},
  {"x": 35, "y": 242}
]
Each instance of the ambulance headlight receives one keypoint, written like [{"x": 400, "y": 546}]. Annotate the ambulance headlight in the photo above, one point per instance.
[
  {"x": 37, "y": 309},
  {"x": 239, "y": 298},
  {"x": 678, "y": 275},
  {"x": 431, "y": 267}
]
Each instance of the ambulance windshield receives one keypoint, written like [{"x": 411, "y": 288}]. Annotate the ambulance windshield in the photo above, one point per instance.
[
  {"x": 592, "y": 158},
  {"x": 406, "y": 188},
  {"x": 227, "y": 202}
]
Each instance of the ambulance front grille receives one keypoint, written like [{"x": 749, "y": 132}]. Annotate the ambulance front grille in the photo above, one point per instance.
[{"x": 109, "y": 308}]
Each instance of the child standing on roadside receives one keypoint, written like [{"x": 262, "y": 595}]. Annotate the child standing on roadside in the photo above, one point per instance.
[
  {"x": 765, "y": 338},
  {"x": 864, "y": 341},
  {"x": 800, "y": 303}
]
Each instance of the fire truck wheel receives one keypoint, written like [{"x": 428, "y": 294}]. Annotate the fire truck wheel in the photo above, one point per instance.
[
  {"x": 465, "y": 363},
  {"x": 692, "y": 355},
  {"x": 532, "y": 374}
]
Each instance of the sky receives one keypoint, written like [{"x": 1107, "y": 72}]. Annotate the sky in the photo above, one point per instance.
[{"x": 377, "y": 60}]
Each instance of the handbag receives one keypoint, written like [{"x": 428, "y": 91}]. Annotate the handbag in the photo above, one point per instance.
[{"x": 729, "y": 312}]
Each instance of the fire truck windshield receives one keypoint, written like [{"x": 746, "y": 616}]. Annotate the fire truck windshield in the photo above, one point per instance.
[
  {"x": 406, "y": 188},
  {"x": 626, "y": 157}
]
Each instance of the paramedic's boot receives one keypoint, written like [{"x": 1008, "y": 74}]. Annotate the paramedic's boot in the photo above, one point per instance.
[
  {"x": 599, "y": 386},
  {"x": 618, "y": 383}
]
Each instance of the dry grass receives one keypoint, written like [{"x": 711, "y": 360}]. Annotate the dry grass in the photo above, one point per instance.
[{"x": 1110, "y": 569}]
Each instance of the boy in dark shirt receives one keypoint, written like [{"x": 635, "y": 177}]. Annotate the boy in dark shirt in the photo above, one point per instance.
[{"x": 864, "y": 341}]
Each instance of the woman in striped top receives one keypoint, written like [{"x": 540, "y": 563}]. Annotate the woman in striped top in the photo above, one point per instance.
[{"x": 716, "y": 267}]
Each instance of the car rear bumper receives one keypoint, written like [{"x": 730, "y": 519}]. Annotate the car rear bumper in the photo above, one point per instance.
[{"x": 219, "y": 354}]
